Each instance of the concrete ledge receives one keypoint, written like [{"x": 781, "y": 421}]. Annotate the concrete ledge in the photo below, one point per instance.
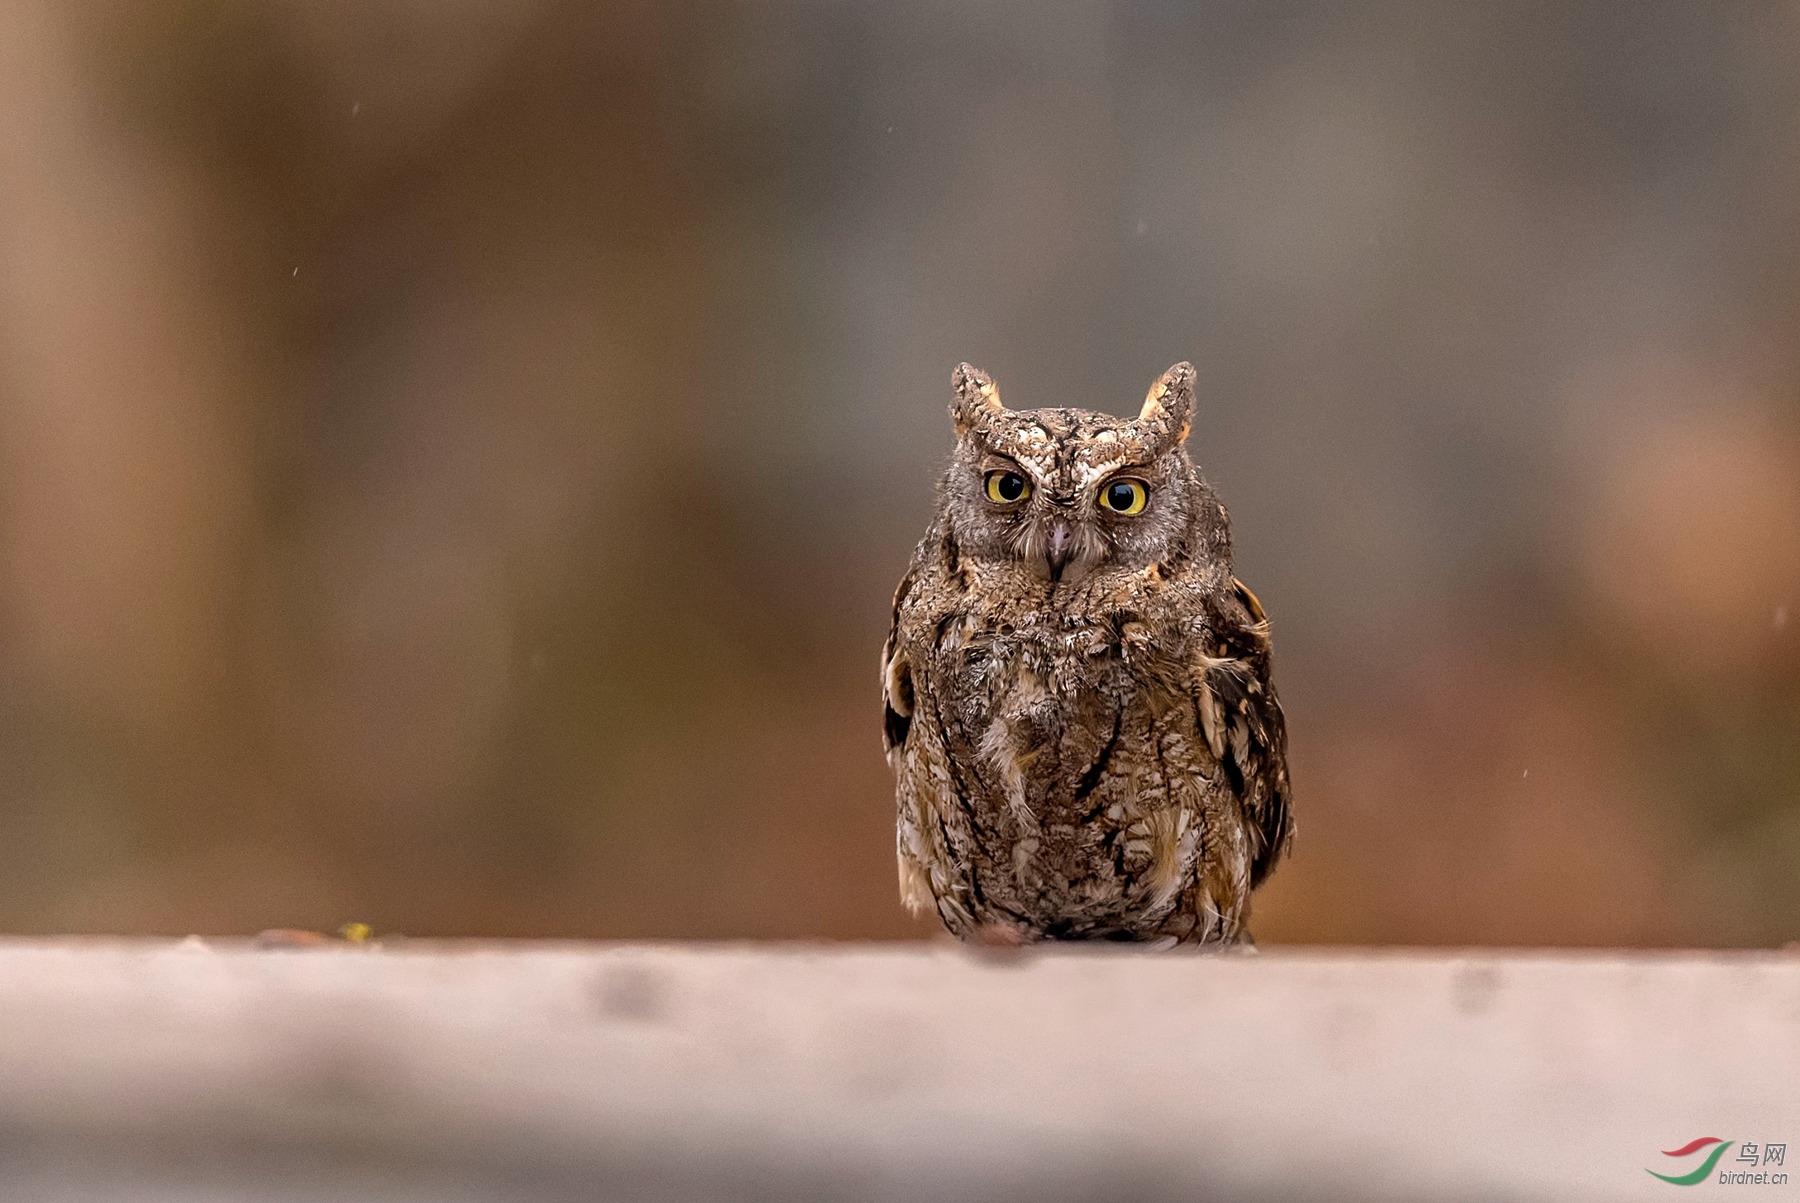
[{"x": 153, "y": 1070}]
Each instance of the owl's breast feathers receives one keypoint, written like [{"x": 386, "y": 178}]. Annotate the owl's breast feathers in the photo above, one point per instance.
[{"x": 1109, "y": 763}]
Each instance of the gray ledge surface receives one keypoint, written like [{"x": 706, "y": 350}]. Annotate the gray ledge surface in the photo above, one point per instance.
[{"x": 446, "y": 1071}]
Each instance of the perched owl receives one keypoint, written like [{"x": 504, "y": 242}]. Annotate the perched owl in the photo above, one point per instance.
[{"x": 1077, "y": 696}]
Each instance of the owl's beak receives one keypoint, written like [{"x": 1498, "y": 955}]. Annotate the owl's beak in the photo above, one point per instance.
[{"x": 1059, "y": 548}]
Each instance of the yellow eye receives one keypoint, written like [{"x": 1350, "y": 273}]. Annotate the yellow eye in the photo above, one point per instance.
[
  {"x": 1125, "y": 497},
  {"x": 1004, "y": 488}
]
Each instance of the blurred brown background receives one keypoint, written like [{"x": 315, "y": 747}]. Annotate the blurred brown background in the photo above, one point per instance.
[{"x": 455, "y": 457}]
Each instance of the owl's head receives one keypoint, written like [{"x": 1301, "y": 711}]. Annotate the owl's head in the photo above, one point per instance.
[{"x": 1065, "y": 493}]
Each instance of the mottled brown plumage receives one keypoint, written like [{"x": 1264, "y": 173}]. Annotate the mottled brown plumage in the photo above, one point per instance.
[{"x": 1079, "y": 714}]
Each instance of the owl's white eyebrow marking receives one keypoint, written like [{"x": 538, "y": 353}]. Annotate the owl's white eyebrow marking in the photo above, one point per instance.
[{"x": 1087, "y": 474}]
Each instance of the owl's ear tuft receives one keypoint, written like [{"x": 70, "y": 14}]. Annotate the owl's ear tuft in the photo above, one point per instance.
[
  {"x": 1169, "y": 407},
  {"x": 976, "y": 397}
]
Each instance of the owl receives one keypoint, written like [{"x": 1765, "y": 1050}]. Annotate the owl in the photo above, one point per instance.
[{"x": 1077, "y": 702}]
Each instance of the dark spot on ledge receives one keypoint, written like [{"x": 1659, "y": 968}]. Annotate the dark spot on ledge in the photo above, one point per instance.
[{"x": 631, "y": 993}]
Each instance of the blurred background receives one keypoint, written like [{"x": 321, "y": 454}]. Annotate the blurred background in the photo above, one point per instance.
[{"x": 455, "y": 457}]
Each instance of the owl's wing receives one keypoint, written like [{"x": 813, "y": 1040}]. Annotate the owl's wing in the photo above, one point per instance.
[
  {"x": 896, "y": 679},
  {"x": 914, "y": 842},
  {"x": 1244, "y": 725}
]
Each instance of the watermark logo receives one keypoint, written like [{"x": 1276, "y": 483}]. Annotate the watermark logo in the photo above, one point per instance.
[{"x": 1749, "y": 1152}]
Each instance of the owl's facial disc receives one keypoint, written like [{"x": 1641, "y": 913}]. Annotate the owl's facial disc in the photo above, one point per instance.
[
  {"x": 1061, "y": 493},
  {"x": 1064, "y": 493}
]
